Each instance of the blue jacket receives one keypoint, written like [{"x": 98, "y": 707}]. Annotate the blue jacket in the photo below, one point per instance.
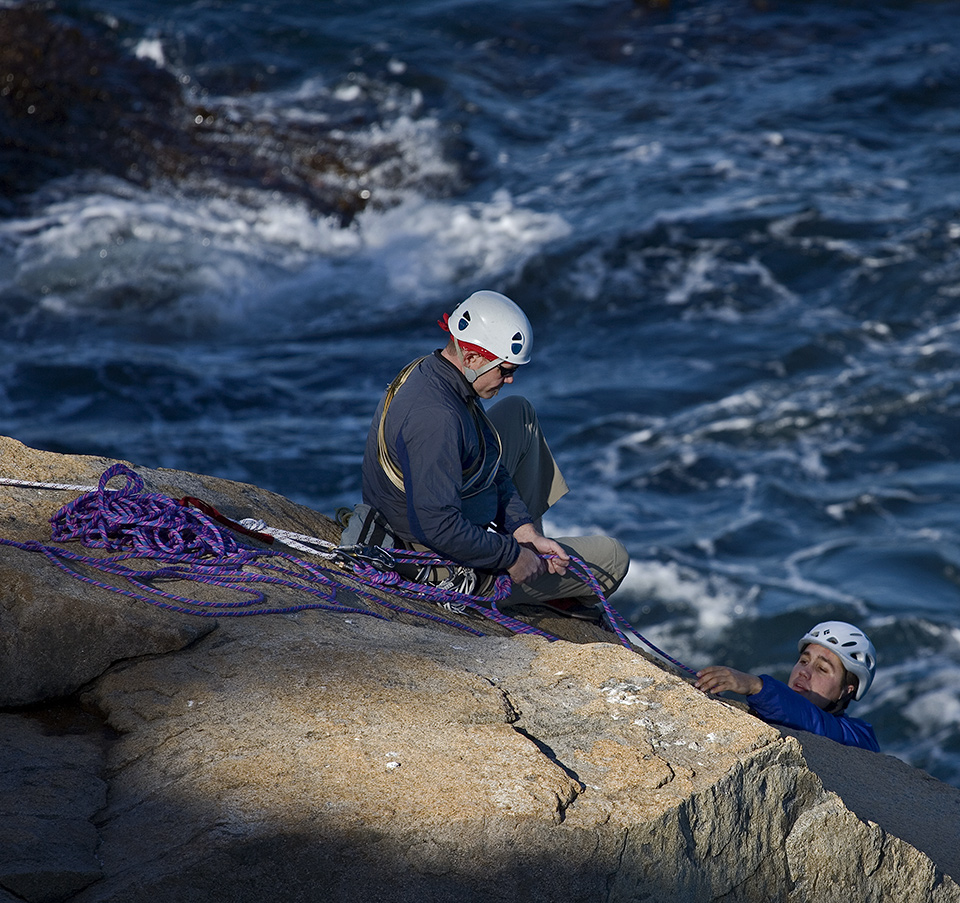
[
  {"x": 434, "y": 438},
  {"x": 778, "y": 704}
]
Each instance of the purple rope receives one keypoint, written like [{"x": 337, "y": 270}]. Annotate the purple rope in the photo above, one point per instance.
[
  {"x": 190, "y": 546},
  {"x": 485, "y": 605},
  {"x": 130, "y": 518},
  {"x": 501, "y": 590},
  {"x": 617, "y": 620}
]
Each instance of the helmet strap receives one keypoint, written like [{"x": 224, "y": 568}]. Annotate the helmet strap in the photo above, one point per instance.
[
  {"x": 472, "y": 375},
  {"x": 840, "y": 705}
]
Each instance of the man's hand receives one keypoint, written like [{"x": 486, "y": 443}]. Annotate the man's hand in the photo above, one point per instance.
[
  {"x": 533, "y": 545},
  {"x": 717, "y": 679},
  {"x": 528, "y": 566}
]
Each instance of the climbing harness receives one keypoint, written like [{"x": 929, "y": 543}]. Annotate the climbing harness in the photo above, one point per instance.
[{"x": 187, "y": 540}]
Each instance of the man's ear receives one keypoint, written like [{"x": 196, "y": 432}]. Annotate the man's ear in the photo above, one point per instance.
[{"x": 472, "y": 360}]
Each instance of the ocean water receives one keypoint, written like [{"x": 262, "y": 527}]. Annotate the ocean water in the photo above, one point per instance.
[{"x": 224, "y": 227}]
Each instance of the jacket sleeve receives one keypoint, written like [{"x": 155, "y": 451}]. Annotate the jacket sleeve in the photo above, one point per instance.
[
  {"x": 430, "y": 461},
  {"x": 778, "y": 704}
]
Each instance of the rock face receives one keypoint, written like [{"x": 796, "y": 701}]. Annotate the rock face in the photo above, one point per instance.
[
  {"x": 327, "y": 755},
  {"x": 49, "y": 794}
]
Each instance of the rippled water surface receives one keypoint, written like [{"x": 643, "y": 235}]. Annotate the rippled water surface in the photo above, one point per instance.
[{"x": 735, "y": 226}]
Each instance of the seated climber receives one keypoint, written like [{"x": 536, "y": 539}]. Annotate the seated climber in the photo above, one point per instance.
[
  {"x": 472, "y": 485},
  {"x": 837, "y": 663}
]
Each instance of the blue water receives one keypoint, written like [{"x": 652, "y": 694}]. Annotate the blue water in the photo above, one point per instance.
[{"x": 735, "y": 227}]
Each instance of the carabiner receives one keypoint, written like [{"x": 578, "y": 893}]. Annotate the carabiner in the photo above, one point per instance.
[{"x": 372, "y": 556}]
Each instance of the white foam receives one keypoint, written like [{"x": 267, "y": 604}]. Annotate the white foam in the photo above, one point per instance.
[
  {"x": 150, "y": 49},
  {"x": 715, "y": 601},
  {"x": 936, "y": 709},
  {"x": 429, "y": 245},
  {"x": 94, "y": 235},
  {"x": 925, "y": 687},
  {"x": 235, "y": 258}
]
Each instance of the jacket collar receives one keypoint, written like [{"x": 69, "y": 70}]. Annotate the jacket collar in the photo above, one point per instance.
[{"x": 452, "y": 376}]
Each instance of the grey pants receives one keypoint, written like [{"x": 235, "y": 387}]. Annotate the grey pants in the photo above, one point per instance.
[{"x": 537, "y": 477}]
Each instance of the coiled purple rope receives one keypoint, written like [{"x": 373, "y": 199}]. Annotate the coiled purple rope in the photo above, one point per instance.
[
  {"x": 129, "y": 518},
  {"x": 191, "y": 547}
]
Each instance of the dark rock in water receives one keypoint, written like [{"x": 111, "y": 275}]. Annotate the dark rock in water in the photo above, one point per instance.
[
  {"x": 70, "y": 99},
  {"x": 73, "y": 100}
]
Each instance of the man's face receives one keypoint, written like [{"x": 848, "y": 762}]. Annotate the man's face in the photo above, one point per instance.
[
  {"x": 818, "y": 675},
  {"x": 491, "y": 382}
]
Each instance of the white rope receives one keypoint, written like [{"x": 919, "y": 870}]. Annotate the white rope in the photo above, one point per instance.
[
  {"x": 298, "y": 541},
  {"x": 31, "y": 484}
]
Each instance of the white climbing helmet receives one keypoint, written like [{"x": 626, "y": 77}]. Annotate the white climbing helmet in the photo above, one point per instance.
[
  {"x": 850, "y": 644},
  {"x": 491, "y": 322}
]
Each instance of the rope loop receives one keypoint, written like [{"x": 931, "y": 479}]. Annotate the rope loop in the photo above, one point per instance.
[{"x": 133, "y": 486}]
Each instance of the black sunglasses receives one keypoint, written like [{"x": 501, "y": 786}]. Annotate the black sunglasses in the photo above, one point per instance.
[{"x": 507, "y": 372}]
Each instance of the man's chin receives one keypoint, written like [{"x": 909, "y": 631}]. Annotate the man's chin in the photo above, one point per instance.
[{"x": 819, "y": 701}]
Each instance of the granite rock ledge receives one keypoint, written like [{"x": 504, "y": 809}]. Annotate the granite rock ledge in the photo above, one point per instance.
[{"x": 325, "y": 756}]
